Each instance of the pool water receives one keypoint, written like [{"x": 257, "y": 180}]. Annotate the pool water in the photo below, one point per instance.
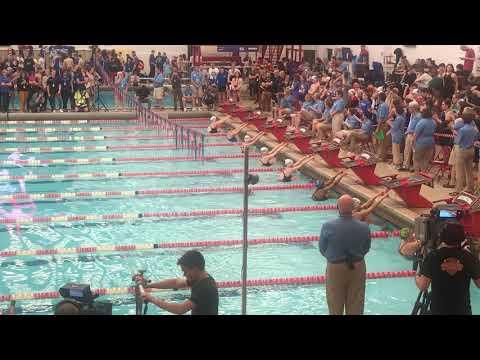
[{"x": 107, "y": 270}]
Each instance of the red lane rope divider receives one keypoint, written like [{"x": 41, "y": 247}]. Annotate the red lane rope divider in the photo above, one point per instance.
[
  {"x": 116, "y": 175},
  {"x": 38, "y": 197},
  {"x": 87, "y": 161},
  {"x": 62, "y": 122},
  {"x": 300, "y": 280},
  {"x": 164, "y": 214},
  {"x": 178, "y": 245}
]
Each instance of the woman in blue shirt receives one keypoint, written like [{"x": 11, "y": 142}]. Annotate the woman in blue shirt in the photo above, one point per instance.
[
  {"x": 397, "y": 130},
  {"x": 423, "y": 141}
]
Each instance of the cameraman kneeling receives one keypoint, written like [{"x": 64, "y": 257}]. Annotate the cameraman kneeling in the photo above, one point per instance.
[
  {"x": 449, "y": 269},
  {"x": 204, "y": 296}
]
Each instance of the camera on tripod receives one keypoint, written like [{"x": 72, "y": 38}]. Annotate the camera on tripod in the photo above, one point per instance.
[
  {"x": 429, "y": 226},
  {"x": 140, "y": 284},
  {"x": 83, "y": 301}
]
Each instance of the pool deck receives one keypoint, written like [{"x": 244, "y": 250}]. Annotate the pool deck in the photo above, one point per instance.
[{"x": 392, "y": 209}]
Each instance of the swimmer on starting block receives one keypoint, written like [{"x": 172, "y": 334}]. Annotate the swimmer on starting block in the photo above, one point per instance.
[
  {"x": 321, "y": 193},
  {"x": 232, "y": 134},
  {"x": 216, "y": 124},
  {"x": 362, "y": 211},
  {"x": 290, "y": 167},
  {"x": 268, "y": 159}
]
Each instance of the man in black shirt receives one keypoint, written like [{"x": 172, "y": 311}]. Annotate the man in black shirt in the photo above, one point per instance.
[
  {"x": 449, "y": 270},
  {"x": 204, "y": 294},
  {"x": 53, "y": 90},
  {"x": 143, "y": 96},
  {"x": 176, "y": 82}
]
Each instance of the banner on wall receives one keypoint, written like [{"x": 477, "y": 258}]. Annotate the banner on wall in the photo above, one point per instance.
[{"x": 237, "y": 48}]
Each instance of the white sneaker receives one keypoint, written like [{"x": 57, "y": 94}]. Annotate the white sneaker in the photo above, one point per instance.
[{"x": 61, "y": 110}]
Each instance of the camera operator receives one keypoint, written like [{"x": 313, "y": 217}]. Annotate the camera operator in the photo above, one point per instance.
[
  {"x": 449, "y": 270},
  {"x": 204, "y": 294}
]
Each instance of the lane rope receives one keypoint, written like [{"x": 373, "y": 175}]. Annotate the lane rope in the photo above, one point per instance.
[
  {"x": 99, "y": 148},
  {"x": 90, "y": 161},
  {"x": 91, "y": 138},
  {"x": 162, "y": 214},
  {"x": 117, "y": 175},
  {"x": 39, "y": 197},
  {"x": 75, "y": 129},
  {"x": 180, "y": 245},
  {"x": 300, "y": 280}
]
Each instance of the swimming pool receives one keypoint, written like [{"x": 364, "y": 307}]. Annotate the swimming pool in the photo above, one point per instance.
[{"x": 114, "y": 269}]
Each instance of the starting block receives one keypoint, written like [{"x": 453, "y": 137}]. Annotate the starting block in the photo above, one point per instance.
[
  {"x": 228, "y": 107},
  {"x": 364, "y": 167},
  {"x": 301, "y": 141},
  {"x": 278, "y": 129},
  {"x": 470, "y": 205},
  {"x": 240, "y": 112},
  {"x": 329, "y": 152},
  {"x": 257, "y": 120},
  {"x": 409, "y": 189}
]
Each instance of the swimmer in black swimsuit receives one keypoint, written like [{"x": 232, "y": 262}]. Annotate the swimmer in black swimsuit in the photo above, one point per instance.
[
  {"x": 216, "y": 124},
  {"x": 290, "y": 168},
  {"x": 232, "y": 134},
  {"x": 321, "y": 193},
  {"x": 269, "y": 158}
]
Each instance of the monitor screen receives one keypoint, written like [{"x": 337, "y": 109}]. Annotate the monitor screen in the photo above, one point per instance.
[
  {"x": 76, "y": 293},
  {"x": 447, "y": 214}
]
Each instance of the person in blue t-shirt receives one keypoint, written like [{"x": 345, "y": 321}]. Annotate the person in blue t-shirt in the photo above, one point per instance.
[
  {"x": 196, "y": 79},
  {"x": 286, "y": 103},
  {"x": 424, "y": 142},
  {"x": 397, "y": 129},
  {"x": 221, "y": 82},
  {"x": 467, "y": 135},
  {"x": 415, "y": 116},
  {"x": 352, "y": 122},
  {"x": 188, "y": 97},
  {"x": 381, "y": 131},
  {"x": 324, "y": 126}
]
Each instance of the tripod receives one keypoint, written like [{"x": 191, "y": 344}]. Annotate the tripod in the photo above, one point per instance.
[{"x": 98, "y": 98}]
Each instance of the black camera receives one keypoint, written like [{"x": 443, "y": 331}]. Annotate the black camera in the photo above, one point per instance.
[
  {"x": 81, "y": 300},
  {"x": 429, "y": 226}
]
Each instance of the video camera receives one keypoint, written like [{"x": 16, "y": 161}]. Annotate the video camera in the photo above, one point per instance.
[
  {"x": 81, "y": 296},
  {"x": 140, "y": 284},
  {"x": 429, "y": 226}
]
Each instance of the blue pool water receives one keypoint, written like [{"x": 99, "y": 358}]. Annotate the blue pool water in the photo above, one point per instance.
[{"x": 107, "y": 270}]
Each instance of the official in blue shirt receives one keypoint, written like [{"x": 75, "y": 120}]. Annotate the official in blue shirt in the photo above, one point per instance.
[
  {"x": 467, "y": 135},
  {"x": 424, "y": 143},
  {"x": 413, "y": 109},
  {"x": 397, "y": 129},
  {"x": 337, "y": 112},
  {"x": 344, "y": 242}
]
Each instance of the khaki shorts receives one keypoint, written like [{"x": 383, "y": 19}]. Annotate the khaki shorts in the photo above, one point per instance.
[
  {"x": 158, "y": 93},
  {"x": 453, "y": 155},
  {"x": 197, "y": 92}
]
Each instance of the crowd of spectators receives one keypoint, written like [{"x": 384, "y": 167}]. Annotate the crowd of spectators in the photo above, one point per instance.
[
  {"x": 422, "y": 111},
  {"x": 50, "y": 80}
]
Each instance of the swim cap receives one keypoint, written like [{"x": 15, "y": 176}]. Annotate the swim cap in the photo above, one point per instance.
[
  {"x": 288, "y": 162},
  {"x": 303, "y": 130},
  {"x": 404, "y": 233},
  {"x": 279, "y": 120},
  {"x": 356, "y": 203},
  {"x": 264, "y": 149},
  {"x": 247, "y": 138},
  {"x": 213, "y": 118}
]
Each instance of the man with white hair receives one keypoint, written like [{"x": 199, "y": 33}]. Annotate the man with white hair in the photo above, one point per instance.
[
  {"x": 415, "y": 116},
  {"x": 344, "y": 242}
]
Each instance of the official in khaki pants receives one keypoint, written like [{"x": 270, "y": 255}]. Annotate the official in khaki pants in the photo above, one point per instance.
[
  {"x": 413, "y": 109},
  {"x": 337, "y": 112},
  {"x": 344, "y": 242},
  {"x": 397, "y": 129},
  {"x": 423, "y": 141},
  {"x": 467, "y": 135}
]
